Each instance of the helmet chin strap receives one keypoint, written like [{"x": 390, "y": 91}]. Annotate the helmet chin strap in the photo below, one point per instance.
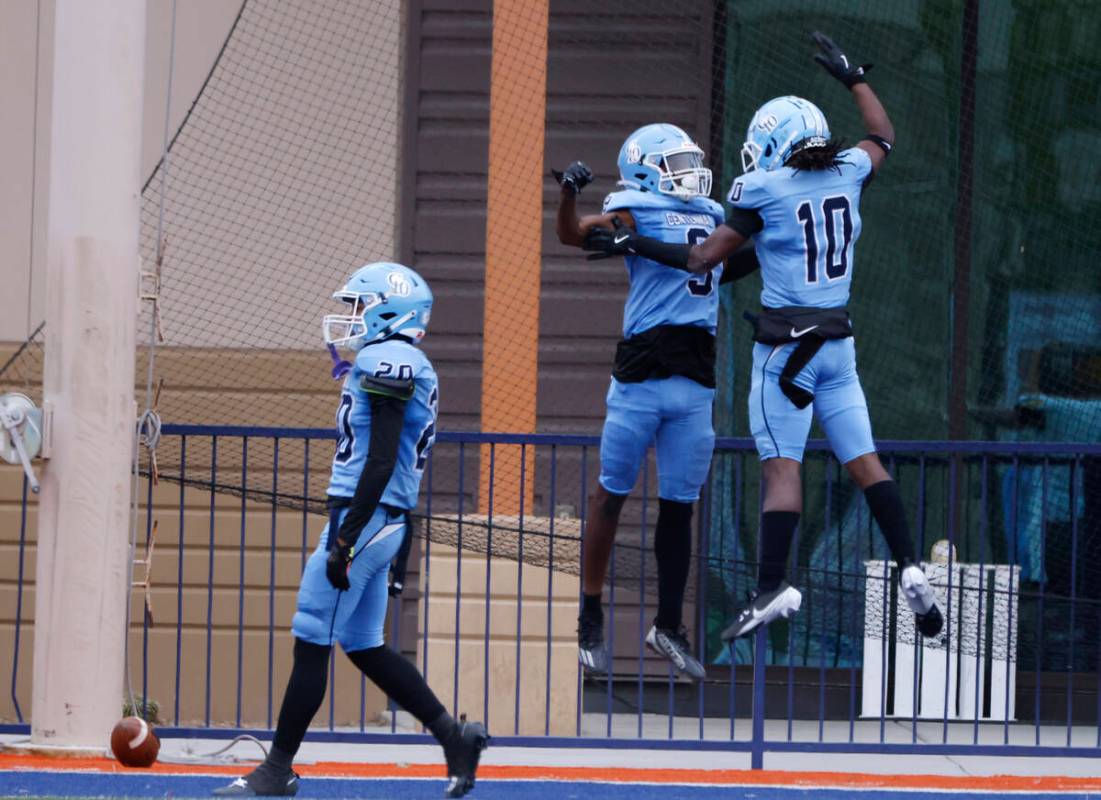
[
  {"x": 397, "y": 323},
  {"x": 340, "y": 366}
]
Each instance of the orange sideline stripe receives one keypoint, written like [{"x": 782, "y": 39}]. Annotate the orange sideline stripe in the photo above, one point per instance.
[{"x": 1008, "y": 783}]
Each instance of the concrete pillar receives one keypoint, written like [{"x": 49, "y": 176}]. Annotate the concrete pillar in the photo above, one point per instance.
[{"x": 91, "y": 305}]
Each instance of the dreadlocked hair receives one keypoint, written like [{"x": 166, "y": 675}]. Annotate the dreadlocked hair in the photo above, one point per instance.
[{"x": 814, "y": 159}]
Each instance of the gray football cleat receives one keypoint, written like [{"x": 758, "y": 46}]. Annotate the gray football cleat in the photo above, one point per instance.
[
  {"x": 762, "y": 608},
  {"x": 919, "y": 595},
  {"x": 674, "y": 646},
  {"x": 264, "y": 781},
  {"x": 591, "y": 650}
]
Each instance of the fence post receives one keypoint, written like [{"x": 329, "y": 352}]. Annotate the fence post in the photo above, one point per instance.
[{"x": 757, "y": 742}]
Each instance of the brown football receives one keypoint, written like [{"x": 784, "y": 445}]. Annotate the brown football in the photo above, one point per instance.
[{"x": 134, "y": 743}]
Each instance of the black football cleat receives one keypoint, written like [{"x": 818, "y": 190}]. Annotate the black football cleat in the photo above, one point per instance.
[
  {"x": 673, "y": 645},
  {"x": 462, "y": 750},
  {"x": 762, "y": 608},
  {"x": 264, "y": 781},
  {"x": 591, "y": 650}
]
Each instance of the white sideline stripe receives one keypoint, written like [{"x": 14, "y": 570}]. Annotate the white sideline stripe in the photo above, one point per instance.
[{"x": 143, "y": 734}]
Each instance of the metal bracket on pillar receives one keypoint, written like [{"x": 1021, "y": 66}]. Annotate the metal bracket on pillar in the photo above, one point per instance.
[{"x": 20, "y": 433}]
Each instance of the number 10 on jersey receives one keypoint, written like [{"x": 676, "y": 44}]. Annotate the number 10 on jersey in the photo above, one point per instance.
[{"x": 837, "y": 222}]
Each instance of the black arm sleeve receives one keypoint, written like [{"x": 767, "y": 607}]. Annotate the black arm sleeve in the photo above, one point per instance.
[
  {"x": 742, "y": 263},
  {"x": 672, "y": 255},
  {"x": 745, "y": 221},
  {"x": 387, "y": 418}
]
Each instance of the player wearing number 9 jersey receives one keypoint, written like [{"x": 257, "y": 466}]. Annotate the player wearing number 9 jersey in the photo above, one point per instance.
[
  {"x": 386, "y": 425},
  {"x": 799, "y": 200},
  {"x": 663, "y": 382}
]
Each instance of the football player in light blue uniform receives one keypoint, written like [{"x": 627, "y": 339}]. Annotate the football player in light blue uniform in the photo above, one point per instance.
[
  {"x": 663, "y": 383},
  {"x": 799, "y": 199},
  {"x": 386, "y": 422}
]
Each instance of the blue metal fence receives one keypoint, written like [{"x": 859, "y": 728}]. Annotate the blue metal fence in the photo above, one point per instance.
[{"x": 1016, "y": 671}]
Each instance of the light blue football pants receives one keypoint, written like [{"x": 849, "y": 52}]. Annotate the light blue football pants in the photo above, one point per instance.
[
  {"x": 781, "y": 429},
  {"x": 355, "y": 618},
  {"x": 675, "y": 414}
]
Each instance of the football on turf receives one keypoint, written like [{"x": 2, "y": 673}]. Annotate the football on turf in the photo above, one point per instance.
[{"x": 134, "y": 743}]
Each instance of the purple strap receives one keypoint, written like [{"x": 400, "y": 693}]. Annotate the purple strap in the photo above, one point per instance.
[{"x": 340, "y": 366}]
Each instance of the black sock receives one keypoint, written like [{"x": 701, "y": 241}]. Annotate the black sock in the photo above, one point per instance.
[
  {"x": 673, "y": 549},
  {"x": 777, "y": 531},
  {"x": 886, "y": 504},
  {"x": 395, "y": 675},
  {"x": 591, "y": 608},
  {"x": 442, "y": 727},
  {"x": 305, "y": 691},
  {"x": 278, "y": 761}
]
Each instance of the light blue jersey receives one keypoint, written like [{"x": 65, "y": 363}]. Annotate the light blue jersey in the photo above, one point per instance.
[
  {"x": 389, "y": 359},
  {"x": 661, "y": 295},
  {"x": 811, "y": 222}
]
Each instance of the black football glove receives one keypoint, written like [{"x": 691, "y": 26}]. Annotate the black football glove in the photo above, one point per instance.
[
  {"x": 575, "y": 178},
  {"x": 336, "y": 566},
  {"x": 607, "y": 243},
  {"x": 837, "y": 63}
]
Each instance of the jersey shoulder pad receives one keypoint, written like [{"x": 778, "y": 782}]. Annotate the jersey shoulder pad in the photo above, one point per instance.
[
  {"x": 391, "y": 360},
  {"x": 398, "y": 388},
  {"x": 749, "y": 191},
  {"x": 859, "y": 162},
  {"x": 709, "y": 206},
  {"x": 626, "y": 199}
]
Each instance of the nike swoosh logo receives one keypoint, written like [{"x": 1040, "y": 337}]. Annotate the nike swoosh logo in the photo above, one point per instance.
[
  {"x": 621, "y": 239},
  {"x": 796, "y": 334}
]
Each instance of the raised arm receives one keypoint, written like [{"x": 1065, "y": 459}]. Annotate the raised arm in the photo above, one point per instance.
[
  {"x": 571, "y": 228},
  {"x": 879, "y": 136}
]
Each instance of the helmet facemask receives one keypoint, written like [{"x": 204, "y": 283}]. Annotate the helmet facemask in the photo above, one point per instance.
[
  {"x": 751, "y": 153},
  {"x": 350, "y": 330},
  {"x": 681, "y": 172}
]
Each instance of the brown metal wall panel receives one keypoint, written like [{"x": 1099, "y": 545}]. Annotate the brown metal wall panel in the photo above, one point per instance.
[
  {"x": 449, "y": 142},
  {"x": 613, "y": 67}
]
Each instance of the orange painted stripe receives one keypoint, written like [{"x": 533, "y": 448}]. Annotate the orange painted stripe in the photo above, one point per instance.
[
  {"x": 514, "y": 236},
  {"x": 1007, "y": 783}
]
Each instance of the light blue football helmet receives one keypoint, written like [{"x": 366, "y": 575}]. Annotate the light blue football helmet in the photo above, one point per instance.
[
  {"x": 781, "y": 127},
  {"x": 396, "y": 301},
  {"x": 663, "y": 158}
]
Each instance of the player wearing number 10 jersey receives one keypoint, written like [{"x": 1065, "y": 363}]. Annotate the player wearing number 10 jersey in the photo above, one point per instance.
[
  {"x": 799, "y": 201},
  {"x": 663, "y": 382}
]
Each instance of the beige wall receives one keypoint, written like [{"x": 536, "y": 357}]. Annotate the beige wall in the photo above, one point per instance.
[{"x": 26, "y": 55}]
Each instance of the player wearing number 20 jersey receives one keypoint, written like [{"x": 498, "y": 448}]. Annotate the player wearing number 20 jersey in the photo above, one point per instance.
[
  {"x": 386, "y": 423},
  {"x": 397, "y": 360}
]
